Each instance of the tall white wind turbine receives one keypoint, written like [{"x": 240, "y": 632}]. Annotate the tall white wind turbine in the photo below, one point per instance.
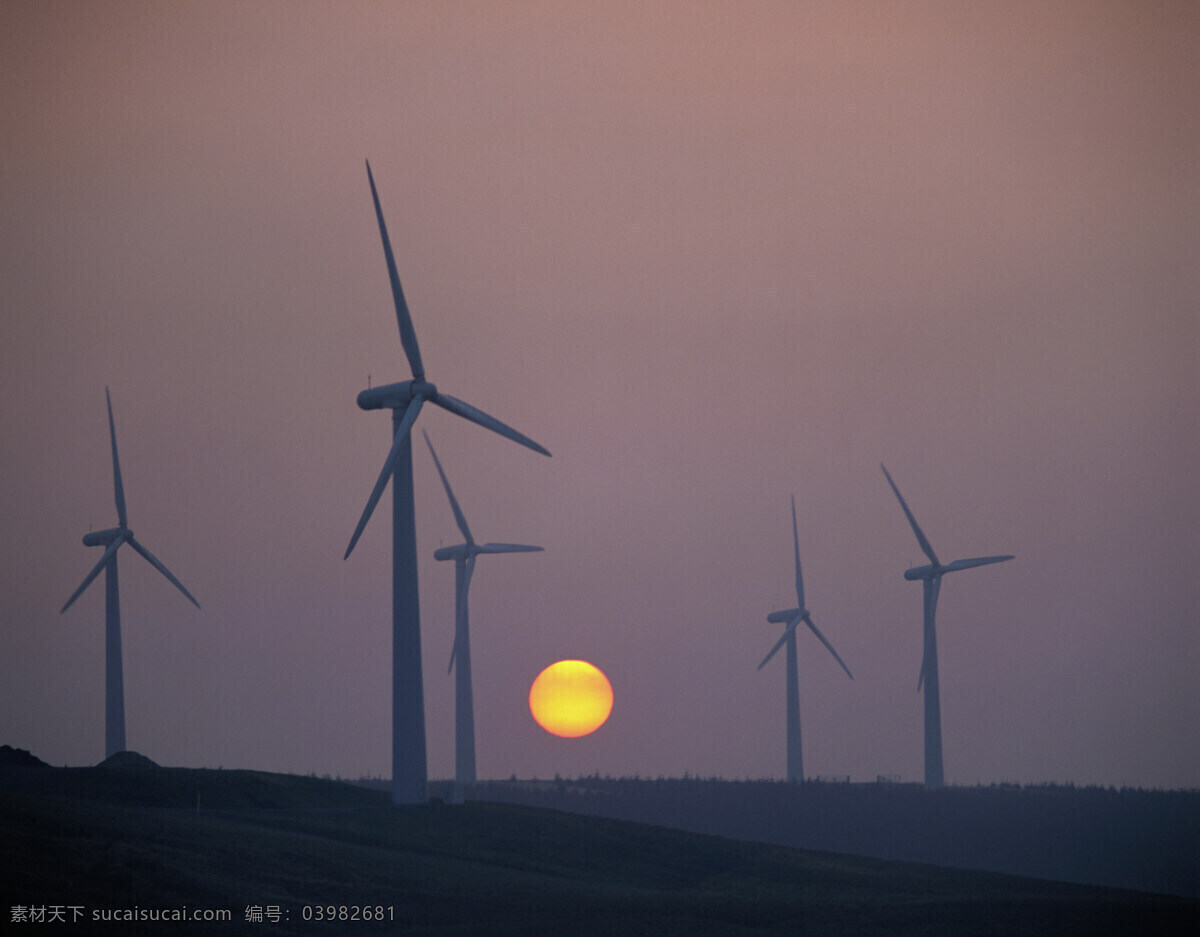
[
  {"x": 405, "y": 399},
  {"x": 931, "y": 578},
  {"x": 112, "y": 539},
  {"x": 460, "y": 654},
  {"x": 793, "y": 617}
]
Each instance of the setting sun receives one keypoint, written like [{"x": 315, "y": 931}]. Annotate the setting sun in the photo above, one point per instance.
[{"x": 571, "y": 698}]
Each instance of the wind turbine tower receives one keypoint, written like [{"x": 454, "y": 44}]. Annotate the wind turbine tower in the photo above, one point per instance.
[
  {"x": 405, "y": 399},
  {"x": 111, "y": 540},
  {"x": 931, "y": 579},
  {"x": 460, "y": 655},
  {"x": 793, "y": 617}
]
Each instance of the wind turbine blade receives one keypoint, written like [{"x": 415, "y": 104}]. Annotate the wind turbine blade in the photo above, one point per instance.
[
  {"x": 157, "y": 564},
  {"x": 408, "y": 336},
  {"x": 460, "y": 607},
  {"x": 932, "y": 588},
  {"x": 112, "y": 548},
  {"x": 118, "y": 488},
  {"x": 465, "y": 410},
  {"x": 796, "y": 545},
  {"x": 467, "y": 576},
  {"x": 778, "y": 644},
  {"x": 402, "y": 432},
  {"x": 977, "y": 561},
  {"x": 829, "y": 647},
  {"x": 458, "y": 514},
  {"x": 460, "y": 603},
  {"x": 926, "y": 592},
  {"x": 912, "y": 520},
  {"x": 508, "y": 548}
]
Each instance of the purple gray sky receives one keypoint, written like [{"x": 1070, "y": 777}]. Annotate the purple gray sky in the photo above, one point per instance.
[{"x": 710, "y": 255}]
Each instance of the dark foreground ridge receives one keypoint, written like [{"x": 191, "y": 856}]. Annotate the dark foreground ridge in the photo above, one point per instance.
[
  {"x": 127, "y": 759},
  {"x": 19, "y": 758},
  {"x": 145, "y": 838},
  {"x": 1134, "y": 839}
]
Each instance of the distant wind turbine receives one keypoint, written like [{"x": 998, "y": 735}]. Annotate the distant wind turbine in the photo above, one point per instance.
[
  {"x": 793, "y": 616},
  {"x": 112, "y": 539},
  {"x": 931, "y": 576},
  {"x": 464, "y": 567},
  {"x": 405, "y": 399}
]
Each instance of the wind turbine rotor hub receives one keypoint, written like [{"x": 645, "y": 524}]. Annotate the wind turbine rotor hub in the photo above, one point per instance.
[
  {"x": 422, "y": 388},
  {"x": 102, "y": 538},
  {"x": 395, "y": 396}
]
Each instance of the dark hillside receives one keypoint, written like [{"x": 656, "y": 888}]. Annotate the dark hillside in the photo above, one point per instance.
[
  {"x": 120, "y": 838},
  {"x": 19, "y": 758},
  {"x": 1143, "y": 840},
  {"x": 181, "y": 787}
]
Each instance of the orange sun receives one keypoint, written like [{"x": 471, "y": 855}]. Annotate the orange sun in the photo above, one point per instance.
[{"x": 571, "y": 698}]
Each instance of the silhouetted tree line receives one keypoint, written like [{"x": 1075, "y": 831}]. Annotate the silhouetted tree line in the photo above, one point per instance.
[{"x": 1128, "y": 838}]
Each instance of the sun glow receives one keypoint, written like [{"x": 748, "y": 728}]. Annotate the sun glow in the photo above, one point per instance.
[{"x": 571, "y": 698}]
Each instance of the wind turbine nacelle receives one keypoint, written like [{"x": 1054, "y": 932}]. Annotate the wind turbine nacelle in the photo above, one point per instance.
[
  {"x": 918, "y": 572},
  {"x": 395, "y": 396},
  {"x": 784, "y": 616},
  {"x": 102, "y": 538},
  {"x": 459, "y": 552}
]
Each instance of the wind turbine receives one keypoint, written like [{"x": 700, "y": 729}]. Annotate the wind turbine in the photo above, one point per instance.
[
  {"x": 112, "y": 539},
  {"x": 793, "y": 616},
  {"x": 931, "y": 577},
  {"x": 405, "y": 399},
  {"x": 464, "y": 567}
]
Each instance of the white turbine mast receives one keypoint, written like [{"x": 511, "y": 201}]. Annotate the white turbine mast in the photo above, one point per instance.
[
  {"x": 931, "y": 579},
  {"x": 463, "y": 556},
  {"x": 405, "y": 399},
  {"x": 793, "y": 617},
  {"x": 112, "y": 539}
]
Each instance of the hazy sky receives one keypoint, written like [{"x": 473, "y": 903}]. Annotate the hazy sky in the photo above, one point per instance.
[{"x": 710, "y": 255}]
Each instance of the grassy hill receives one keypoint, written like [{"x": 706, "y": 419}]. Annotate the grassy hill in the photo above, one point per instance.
[{"x": 132, "y": 837}]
